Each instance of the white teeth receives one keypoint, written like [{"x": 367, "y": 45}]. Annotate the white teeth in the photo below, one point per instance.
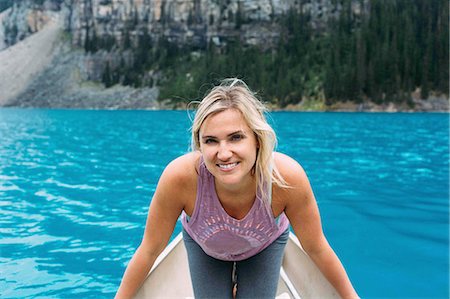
[{"x": 227, "y": 166}]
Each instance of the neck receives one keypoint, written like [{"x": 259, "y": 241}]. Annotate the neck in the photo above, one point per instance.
[{"x": 242, "y": 190}]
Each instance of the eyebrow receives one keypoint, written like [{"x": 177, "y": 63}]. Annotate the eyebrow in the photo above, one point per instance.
[{"x": 231, "y": 134}]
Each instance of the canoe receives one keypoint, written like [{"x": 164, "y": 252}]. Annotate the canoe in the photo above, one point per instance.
[{"x": 299, "y": 276}]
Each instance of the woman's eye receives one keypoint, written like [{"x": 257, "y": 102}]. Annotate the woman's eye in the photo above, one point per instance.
[
  {"x": 209, "y": 141},
  {"x": 236, "y": 137}
]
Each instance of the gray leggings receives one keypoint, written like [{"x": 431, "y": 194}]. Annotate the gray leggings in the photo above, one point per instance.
[{"x": 257, "y": 276}]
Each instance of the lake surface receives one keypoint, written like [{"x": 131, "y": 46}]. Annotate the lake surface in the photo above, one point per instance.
[{"x": 75, "y": 188}]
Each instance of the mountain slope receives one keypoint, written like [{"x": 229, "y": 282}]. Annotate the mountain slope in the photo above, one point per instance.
[
  {"x": 44, "y": 70},
  {"x": 20, "y": 63}
]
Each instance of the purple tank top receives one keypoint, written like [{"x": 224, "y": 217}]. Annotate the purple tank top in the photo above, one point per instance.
[{"x": 224, "y": 237}]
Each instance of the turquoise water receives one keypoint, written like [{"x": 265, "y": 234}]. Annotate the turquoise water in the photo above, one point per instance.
[{"x": 75, "y": 188}]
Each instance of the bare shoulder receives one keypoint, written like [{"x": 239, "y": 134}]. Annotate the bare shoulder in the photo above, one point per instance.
[
  {"x": 183, "y": 168},
  {"x": 290, "y": 169},
  {"x": 177, "y": 184},
  {"x": 298, "y": 194}
]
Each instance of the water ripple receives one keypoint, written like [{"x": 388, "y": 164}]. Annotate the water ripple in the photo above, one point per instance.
[
  {"x": 73, "y": 186},
  {"x": 58, "y": 198}
]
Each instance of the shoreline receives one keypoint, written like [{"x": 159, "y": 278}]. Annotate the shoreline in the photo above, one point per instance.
[{"x": 270, "y": 110}]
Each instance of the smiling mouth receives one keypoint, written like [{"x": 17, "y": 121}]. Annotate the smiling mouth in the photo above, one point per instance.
[{"x": 227, "y": 166}]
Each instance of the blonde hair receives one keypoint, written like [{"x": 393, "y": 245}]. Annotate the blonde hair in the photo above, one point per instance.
[{"x": 234, "y": 94}]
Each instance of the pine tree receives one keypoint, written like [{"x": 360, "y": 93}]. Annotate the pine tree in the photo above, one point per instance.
[{"x": 106, "y": 77}]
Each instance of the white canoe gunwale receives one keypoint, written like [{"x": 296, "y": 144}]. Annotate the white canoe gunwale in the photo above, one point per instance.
[{"x": 299, "y": 276}]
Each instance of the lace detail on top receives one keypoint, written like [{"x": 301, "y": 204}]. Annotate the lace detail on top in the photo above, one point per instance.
[{"x": 224, "y": 237}]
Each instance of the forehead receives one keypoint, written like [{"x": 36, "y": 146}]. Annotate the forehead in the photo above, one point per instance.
[{"x": 229, "y": 120}]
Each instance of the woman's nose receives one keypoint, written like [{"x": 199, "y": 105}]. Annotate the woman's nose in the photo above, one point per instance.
[{"x": 224, "y": 152}]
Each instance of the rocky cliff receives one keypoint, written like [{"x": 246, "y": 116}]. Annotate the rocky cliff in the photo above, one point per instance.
[
  {"x": 194, "y": 22},
  {"x": 25, "y": 18}
]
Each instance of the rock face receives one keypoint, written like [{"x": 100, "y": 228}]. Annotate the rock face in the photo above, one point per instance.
[
  {"x": 195, "y": 22},
  {"x": 25, "y": 18}
]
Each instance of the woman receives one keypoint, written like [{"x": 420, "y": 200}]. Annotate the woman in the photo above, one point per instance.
[{"x": 237, "y": 197}]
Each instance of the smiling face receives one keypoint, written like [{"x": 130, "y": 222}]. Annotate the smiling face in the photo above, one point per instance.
[{"x": 229, "y": 149}]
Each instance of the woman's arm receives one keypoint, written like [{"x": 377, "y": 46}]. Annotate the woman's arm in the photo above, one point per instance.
[
  {"x": 165, "y": 208},
  {"x": 303, "y": 213}
]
